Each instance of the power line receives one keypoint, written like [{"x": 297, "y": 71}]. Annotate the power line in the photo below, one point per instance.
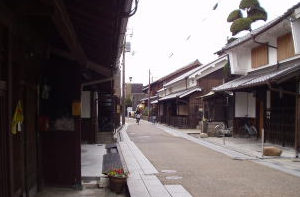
[{"x": 203, "y": 19}]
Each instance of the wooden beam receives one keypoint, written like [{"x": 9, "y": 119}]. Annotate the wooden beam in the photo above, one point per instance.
[
  {"x": 89, "y": 64},
  {"x": 36, "y": 8},
  {"x": 6, "y": 16},
  {"x": 65, "y": 28},
  {"x": 99, "y": 69}
]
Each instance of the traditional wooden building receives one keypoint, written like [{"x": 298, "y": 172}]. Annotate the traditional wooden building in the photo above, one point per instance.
[
  {"x": 180, "y": 102},
  {"x": 54, "y": 57},
  {"x": 267, "y": 95},
  {"x": 158, "y": 84}
]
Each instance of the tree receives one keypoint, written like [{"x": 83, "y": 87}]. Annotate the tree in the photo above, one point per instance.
[
  {"x": 128, "y": 102},
  {"x": 254, "y": 13}
]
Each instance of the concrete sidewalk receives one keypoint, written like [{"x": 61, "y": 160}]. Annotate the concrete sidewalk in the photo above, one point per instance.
[
  {"x": 142, "y": 180},
  {"x": 239, "y": 148}
]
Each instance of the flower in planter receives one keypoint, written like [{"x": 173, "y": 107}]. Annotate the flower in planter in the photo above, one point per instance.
[{"x": 119, "y": 173}]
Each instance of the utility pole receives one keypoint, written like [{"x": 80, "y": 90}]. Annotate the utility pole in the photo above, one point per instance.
[
  {"x": 123, "y": 83},
  {"x": 149, "y": 107}
]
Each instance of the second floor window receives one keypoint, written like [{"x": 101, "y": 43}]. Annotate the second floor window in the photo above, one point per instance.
[
  {"x": 259, "y": 56},
  {"x": 285, "y": 46}
]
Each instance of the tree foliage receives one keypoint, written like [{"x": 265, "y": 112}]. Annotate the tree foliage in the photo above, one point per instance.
[
  {"x": 128, "y": 102},
  {"x": 248, "y": 4},
  {"x": 235, "y": 14},
  {"x": 254, "y": 13},
  {"x": 240, "y": 24}
]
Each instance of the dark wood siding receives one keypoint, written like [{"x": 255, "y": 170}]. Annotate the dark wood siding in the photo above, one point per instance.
[
  {"x": 30, "y": 138},
  {"x": 4, "y": 186},
  {"x": 210, "y": 81}
]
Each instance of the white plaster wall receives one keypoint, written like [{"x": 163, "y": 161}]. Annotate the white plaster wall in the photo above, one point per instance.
[
  {"x": 85, "y": 104},
  {"x": 235, "y": 63},
  {"x": 192, "y": 82},
  {"x": 245, "y": 105},
  {"x": 161, "y": 94},
  {"x": 272, "y": 51},
  {"x": 244, "y": 59},
  {"x": 296, "y": 35},
  {"x": 181, "y": 85}
]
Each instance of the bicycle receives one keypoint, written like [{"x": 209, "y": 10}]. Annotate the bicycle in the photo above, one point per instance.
[
  {"x": 224, "y": 131},
  {"x": 248, "y": 130}
]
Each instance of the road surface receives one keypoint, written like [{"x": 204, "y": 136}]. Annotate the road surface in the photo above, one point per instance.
[{"x": 206, "y": 173}]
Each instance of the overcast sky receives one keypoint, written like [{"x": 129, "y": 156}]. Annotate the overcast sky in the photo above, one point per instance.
[{"x": 169, "y": 34}]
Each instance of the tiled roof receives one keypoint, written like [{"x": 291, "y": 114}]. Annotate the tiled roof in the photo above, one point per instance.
[
  {"x": 257, "y": 78},
  {"x": 260, "y": 29},
  {"x": 195, "y": 70},
  {"x": 192, "y": 64},
  {"x": 180, "y": 94}
]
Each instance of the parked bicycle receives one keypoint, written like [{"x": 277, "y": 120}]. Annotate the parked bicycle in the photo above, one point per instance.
[
  {"x": 247, "y": 130},
  {"x": 223, "y": 130}
]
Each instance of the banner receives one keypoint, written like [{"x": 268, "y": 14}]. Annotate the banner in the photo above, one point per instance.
[{"x": 17, "y": 119}]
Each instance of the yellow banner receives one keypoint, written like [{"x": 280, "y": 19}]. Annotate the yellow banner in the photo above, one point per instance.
[{"x": 18, "y": 118}]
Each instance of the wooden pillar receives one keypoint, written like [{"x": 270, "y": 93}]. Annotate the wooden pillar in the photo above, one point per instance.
[{"x": 10, "y": 111}]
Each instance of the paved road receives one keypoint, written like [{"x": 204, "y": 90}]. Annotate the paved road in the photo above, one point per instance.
[{"x": 208, "y": 173}]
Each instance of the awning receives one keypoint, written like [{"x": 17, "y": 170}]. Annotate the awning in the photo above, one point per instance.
[
  {"x": 190, "y": 92},
  {"x": 147, "y": 98},
  {"x": 154, "y": 102},
  {"x": 207, "y": 95},
  {"x": 258, "y": 78},
  {"x": 212, "y": 94},
  {"x": 180, "y": 94}
]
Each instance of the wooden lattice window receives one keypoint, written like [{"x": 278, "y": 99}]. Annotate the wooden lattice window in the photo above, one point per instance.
[
  {"x": 259, "y": 56},
  {"x": 285, "y": 46}
]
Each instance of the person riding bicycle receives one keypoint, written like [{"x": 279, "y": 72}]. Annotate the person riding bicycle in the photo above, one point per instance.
[{"x": 138, "y": 117}]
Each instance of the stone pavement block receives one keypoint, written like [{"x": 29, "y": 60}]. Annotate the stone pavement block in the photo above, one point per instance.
[
  {"x": 156, "y": 188},
  {"x": 137, "y": 188},
  {"x": 177, "y": 191}
]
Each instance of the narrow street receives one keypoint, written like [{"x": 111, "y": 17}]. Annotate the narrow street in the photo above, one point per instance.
[{"x": 205, "y": 172}]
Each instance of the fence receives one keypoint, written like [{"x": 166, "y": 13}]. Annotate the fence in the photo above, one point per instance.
[{"x": 183, "y": 122}]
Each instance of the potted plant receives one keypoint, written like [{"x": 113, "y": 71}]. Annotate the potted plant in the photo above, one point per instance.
[{"x": 117, "y": 179}]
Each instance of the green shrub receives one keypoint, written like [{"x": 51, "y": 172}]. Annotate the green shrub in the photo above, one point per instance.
[
  {"x": 235, "y": 14},
  {"x": 248, "y": 4},
  {"x": 231, "y": 40},
  {"x": 240, "y": 24},
  {"x": 258, "y": 13}
]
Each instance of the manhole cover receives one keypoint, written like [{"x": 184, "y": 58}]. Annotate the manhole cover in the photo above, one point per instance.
[
  {"x": 83, "y": 151},
  {"x": 99, "y": 144},
  {"x": 173, "y": 177},
  {"x": 168, "y": 171}
]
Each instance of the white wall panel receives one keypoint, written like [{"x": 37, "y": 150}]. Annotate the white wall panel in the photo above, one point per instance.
[{"x": 85, "y": 104}]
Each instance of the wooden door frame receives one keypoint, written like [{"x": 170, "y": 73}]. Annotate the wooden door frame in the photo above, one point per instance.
[{"x": 3, "y": 93}]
